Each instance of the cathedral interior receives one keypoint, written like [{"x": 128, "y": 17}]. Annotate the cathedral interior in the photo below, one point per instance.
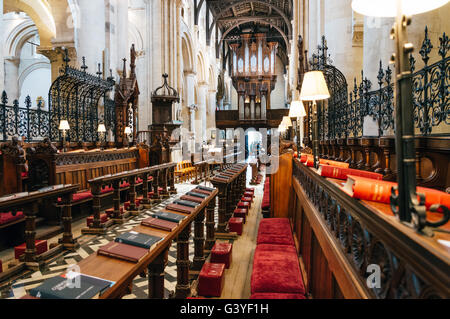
[{"x": 225, "y": 149}]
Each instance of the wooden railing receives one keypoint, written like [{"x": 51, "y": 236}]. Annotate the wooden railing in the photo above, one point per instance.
[
  {"x": 230, "y": 119},
  {"x": 343, "y": 241}
]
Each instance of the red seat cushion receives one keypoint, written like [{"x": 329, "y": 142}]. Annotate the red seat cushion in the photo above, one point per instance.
[
  {"x": 274, "y": 226},
  {"x": 275, "y": 239},
  {"x": 107, "y": 189},
  {"x": 210, "y": 279},
  {"x": 221, "y": 253},
  {"x": 103, "y": 219},
  {"x": 240, "y": 213},
  {"x": 78, "y": 197},
  {"x": 276, "y": 248},
  {"x": 24, "y": 174},
  {"x": 276, "y": 272},
  {"x": 6, "y": 218},
  {"x": 124, "y": 184},
  {"x": 41, "y": 247},
  {"x": 235, "y": 225},
  {"x": 269, "y": 295}
]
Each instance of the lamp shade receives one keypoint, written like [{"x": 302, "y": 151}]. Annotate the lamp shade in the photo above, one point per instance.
[
  {"x": 286, "y": 121},
  {"x": 281, "y": 128},
  {"x": 127, "y": 130},
  {"x": 314, "y": 87},
  {"x": 297, "y": 109},
  {"x": 64, "y": 125},
  {"x": 388, "y": 8},
  {"x": 101, "y": 128}
]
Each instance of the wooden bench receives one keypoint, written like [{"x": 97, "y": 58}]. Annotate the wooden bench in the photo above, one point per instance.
[
  {"x": 185, "y": 171},
  {"x": 49, "y": 167},
  {"x": 28, "y": 203},
  {"x": 160, "y": 173}
]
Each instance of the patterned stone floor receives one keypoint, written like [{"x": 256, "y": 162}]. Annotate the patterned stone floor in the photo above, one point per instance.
[{"x": 140, "y": 285}]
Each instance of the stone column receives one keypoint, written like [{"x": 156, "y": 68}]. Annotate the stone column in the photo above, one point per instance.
[
  {"x": 211, "y": 118},
  {"x": 201, "y": 113},
  {"x": 11, "y": 74},
  {"x": 91, "y": 34}
]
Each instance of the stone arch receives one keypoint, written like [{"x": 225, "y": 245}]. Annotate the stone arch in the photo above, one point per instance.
[
  {"x": 40, "y": 12},
  {"x": 18, "y": 36},
  {"x": 135, "y": 37},
  {"x": 187, "y": 52},
  {"x": 201, "y": 73}
]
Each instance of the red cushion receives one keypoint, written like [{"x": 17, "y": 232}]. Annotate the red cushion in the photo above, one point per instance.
[
  {"x": 150, "y": 178},
  {"x": 276, "y": 248},
  {"x": 107, "y": 189},
  {"x": 275, "y": 239},
  {"x": 78, "y": 197},
  {"x": 41, "y": 247},
  {"x": 221, "y": 253},
  {"x": 276, "y": 272},
  {"x": 240, "y": 213},
  {"x": 6, "y": 218},
  {"x": 269, "y": 295},
  {"x": 124, "y": 184},
  {"x": 210, "y": 279},
  {"x": 235, "y": 225},
  {"x": 110, "y": 212},
  {"x": 139, "y": 180},
  {"x": 24, "y": 174},
  {"x": 103, "y": 219},
  {"x": 274, "y": 226}
]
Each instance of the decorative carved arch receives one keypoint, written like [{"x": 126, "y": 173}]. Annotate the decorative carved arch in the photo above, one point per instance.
[
  {"x": 285, "y": 38},
  {"x": 187, "y": 52},
  {"x": 275, "y": 8}
]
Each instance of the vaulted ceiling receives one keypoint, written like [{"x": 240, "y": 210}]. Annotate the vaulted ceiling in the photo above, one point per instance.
[{"x": 272, "y": 17}]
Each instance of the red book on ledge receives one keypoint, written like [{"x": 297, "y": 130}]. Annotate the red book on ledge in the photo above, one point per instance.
[
  {"x": 342, "y": 173},
  {"x": 122, "y": 251},
  {"x": 159, "y": 223},
  {"x": 180, "y": 208},
  {"x": 380, "y": 191}
]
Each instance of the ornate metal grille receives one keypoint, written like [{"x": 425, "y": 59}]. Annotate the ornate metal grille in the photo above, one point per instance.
[
  {"x": 339, "y": 118},
  {"x": 74, "y": 96},
  {"x": 31, "y": 123}
]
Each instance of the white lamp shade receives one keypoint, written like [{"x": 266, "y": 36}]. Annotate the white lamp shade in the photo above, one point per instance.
[
  {"x": 281, "y": 128},
  {"x": 286, "y": 121},
  {"x": 314, "y": 87},
  {"x": 64, "y": 125},
  {"x": 127, "y": 130},
  {"x": 388, "y": 8},
  {"x": 297, "y": 109},
  {"x": 101, "y": 128}
]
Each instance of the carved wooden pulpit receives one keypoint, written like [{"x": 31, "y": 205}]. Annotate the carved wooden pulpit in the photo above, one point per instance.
[
  {"x": 127, "y": 101},
  {"x": 163, "y": 125}
]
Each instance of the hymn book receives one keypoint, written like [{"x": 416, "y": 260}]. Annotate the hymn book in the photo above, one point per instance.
[
  {"x": 342, "y": 173},
  {"x": 71, "y": 286},
  {"x": 171, "y": 217},
  {"x": 195, "y": 199},
  {"x": 196, "y": 194},
  {"x": 159, "y": 223},
  {"x": 380, "y": 191},
  {"x": 138, "y": 239},
  {"x": 122, "y": 251},
  {"x": 185, "y": 202},
  {"x": 180, "y": 208}
]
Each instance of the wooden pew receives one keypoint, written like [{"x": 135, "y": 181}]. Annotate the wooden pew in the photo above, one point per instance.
[
  {"x": 123, "y": 272},
  {"x": 48, "y": 167},
  {"x": 28, "y": 203},
  {"x": 160, "y": 173},
  {"x": 12, "y": 166},
  {"x": 231, "y": 184}
]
